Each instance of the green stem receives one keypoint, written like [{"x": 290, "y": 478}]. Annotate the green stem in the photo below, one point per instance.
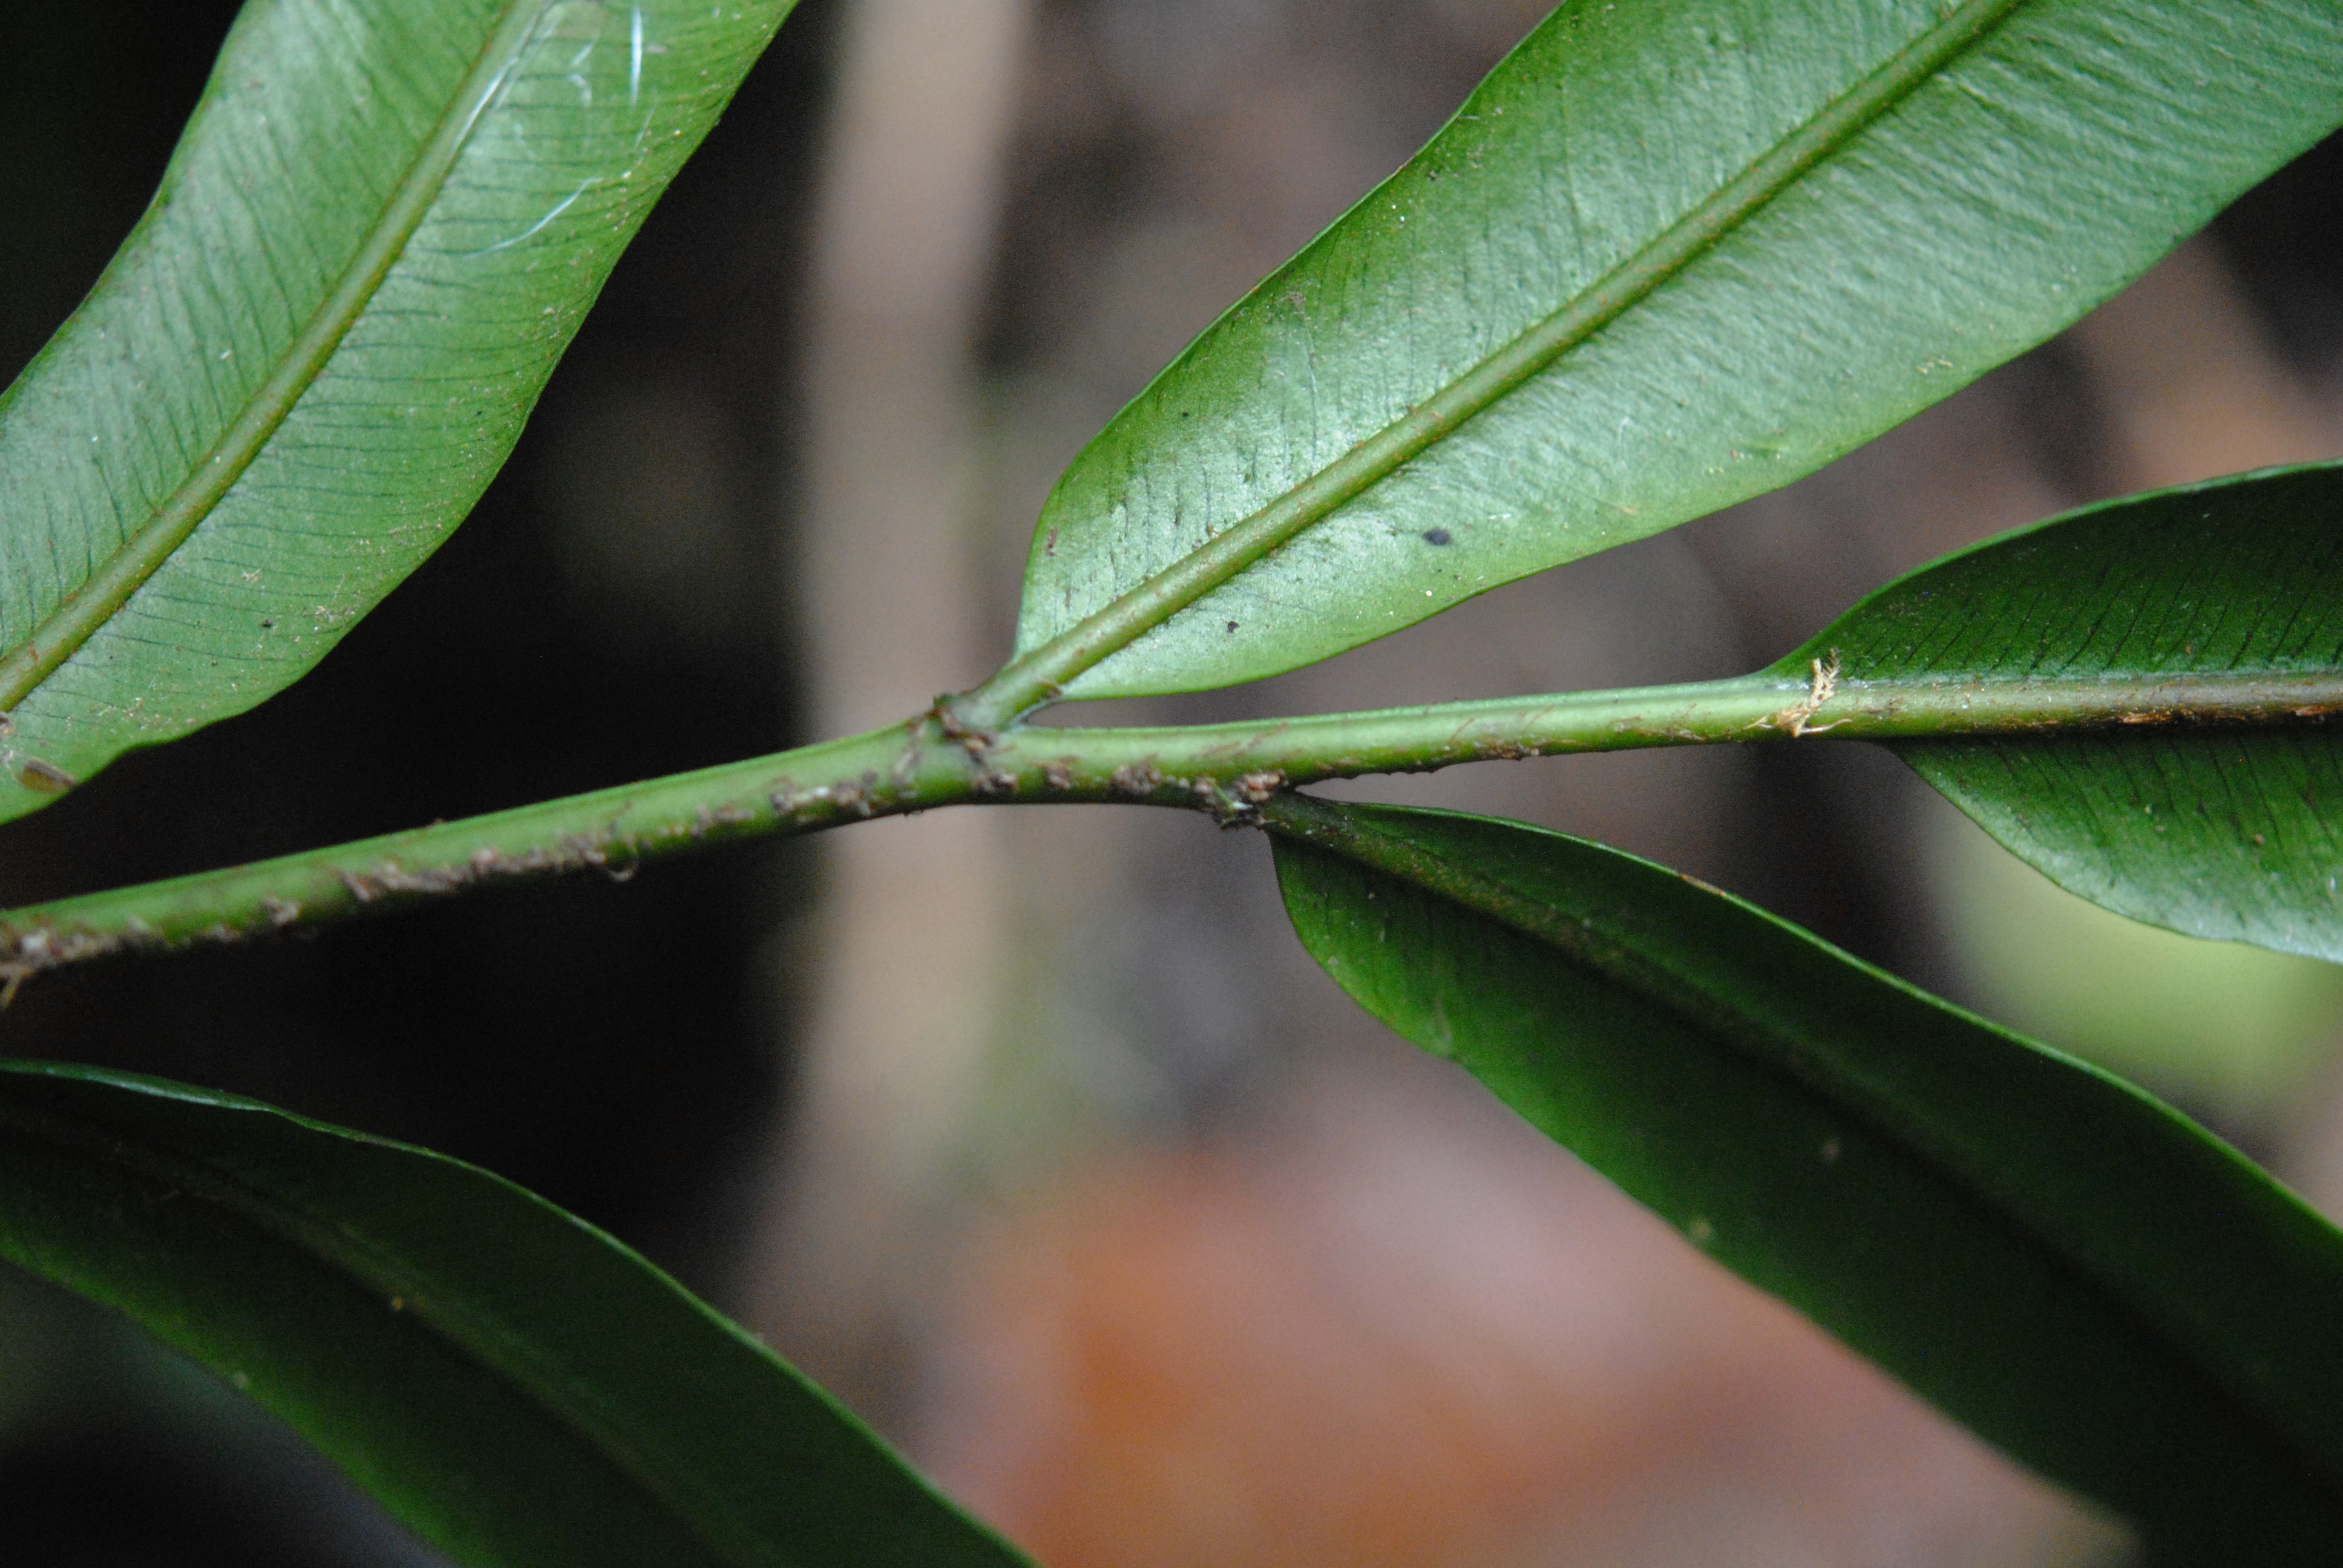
[
  {"x": 1043, "y": 674},
  {"x": 1228, "y": 770}
]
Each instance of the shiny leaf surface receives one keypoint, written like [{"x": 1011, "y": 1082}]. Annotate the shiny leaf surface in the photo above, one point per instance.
[
  {"x": 380, "y": 230},
  {"x": 2076, "y": 1272},
  {"x": 1671, "y": 255},
  {"x": 2215, "y": 828},
  {"x": 513, "y": 1384}
]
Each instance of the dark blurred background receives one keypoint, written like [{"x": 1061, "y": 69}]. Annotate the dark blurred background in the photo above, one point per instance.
[
  {"x": 603, "y": 1045},
  {"x": 1103, "y": 1203}
]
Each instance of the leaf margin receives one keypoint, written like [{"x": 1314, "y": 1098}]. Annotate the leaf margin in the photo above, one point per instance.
[
  {"x": 1303, "y": 828},
  {"x": 46, "y": 1107}
]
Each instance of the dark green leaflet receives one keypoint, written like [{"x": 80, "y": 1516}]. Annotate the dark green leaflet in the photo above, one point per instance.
[
  {"x": 514, "y": 1385},
  {"x": 2216, "y": 829},
  {"x": 2080, "y": 1274}
]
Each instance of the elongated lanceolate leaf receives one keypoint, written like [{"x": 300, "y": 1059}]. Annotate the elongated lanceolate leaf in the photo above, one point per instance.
[
  {"x": 381, "y": 229},
  {"x": 516, "y": 1386},
  {"x": 1671, "y": 255},
  {"x": 2230, "y": 593},
  {"x": 2075, "y": 1271}
]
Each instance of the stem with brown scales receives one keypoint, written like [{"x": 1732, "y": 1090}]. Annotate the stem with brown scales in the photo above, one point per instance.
[{"x": 1227, "y": 770}]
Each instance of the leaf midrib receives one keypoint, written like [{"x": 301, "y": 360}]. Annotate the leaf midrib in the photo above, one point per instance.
[
  {"x": 88, "y": 606},
  {"x": 1042, "y": 675},
  {"x": 478, "y": 1337}
]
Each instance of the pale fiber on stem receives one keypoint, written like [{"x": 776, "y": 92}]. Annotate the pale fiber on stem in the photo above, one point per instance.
[
  {"x": 1040, "y": 676},
  {"x": 2140, "y": 626},
  {"x": 1669, "y": 257},
  {"x": 1987, "y": 171},
  {"x": 1225, "y": 769}
]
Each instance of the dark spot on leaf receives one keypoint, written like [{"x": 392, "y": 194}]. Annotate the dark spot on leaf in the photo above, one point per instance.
[
  {"x": 1233, "y": 626},
  {"x": 45, "y": 777},
  {"x": 1436, "y": 536}
]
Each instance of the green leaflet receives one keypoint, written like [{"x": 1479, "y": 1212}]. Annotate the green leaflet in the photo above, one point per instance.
[
  {"x": 2075, "y": 1271},
  {"x": 1671, "y": 255},
  {"x": 380, "y": 230},
  {"x": 2214, "y": 829},
  {"x": 513, "y": 1384}
]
